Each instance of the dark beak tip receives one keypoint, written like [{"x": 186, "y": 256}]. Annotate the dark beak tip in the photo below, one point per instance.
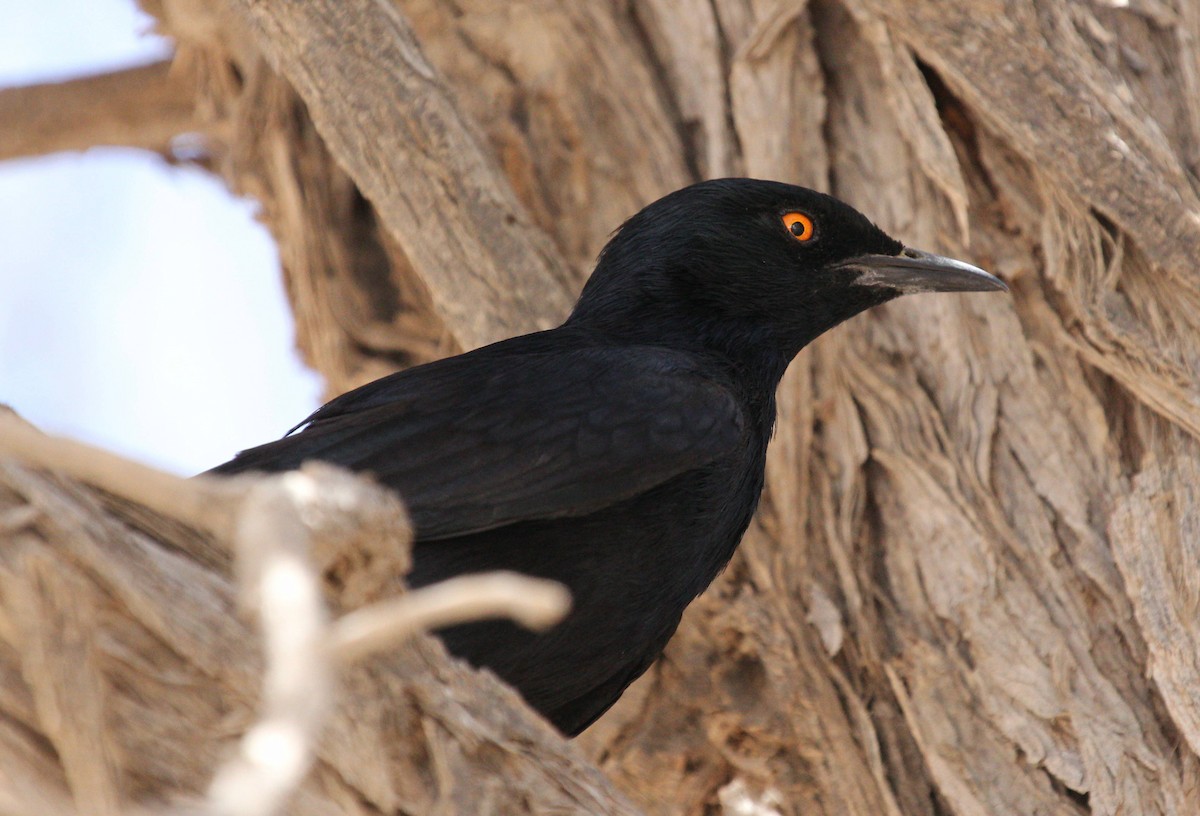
[
  {"x": 993, "y": 285},
  {"x": 990, "y": 284}
]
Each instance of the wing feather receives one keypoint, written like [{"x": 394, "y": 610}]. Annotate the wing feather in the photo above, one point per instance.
[{"x": 484, "y": 440}]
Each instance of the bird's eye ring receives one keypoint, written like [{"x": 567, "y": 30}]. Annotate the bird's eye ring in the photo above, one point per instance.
[{"x": 799, "y": 225}]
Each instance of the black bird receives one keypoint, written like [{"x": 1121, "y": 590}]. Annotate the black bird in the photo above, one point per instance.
[{"x": 621, "y": 453}]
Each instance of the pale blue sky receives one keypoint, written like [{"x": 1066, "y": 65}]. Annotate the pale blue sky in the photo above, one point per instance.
[{"x": 141, "y": 306}]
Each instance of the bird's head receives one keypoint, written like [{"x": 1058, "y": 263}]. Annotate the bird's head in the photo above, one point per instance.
[{"x": 757, "y": 263}]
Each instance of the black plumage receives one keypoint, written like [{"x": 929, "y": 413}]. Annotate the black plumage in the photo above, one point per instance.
[{"x": 623, "y": 452}]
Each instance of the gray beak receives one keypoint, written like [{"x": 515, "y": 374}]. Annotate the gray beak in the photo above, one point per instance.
[{"x": 916, "y": 271}]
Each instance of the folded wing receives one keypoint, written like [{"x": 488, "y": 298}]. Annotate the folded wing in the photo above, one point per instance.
[{"x": 489, "y": 439}]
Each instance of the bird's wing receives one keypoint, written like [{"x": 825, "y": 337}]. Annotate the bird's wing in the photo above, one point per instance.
[
  {"x": 478, "y": 441},
  {"x": 574, "y": 716}
]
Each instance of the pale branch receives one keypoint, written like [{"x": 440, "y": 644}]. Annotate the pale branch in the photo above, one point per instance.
[
  {"x": 180, "y": 499},
  {"x": 273, "y": 544},
  {"x": 393, "y": 125},
  {"x": 532, "y": 602},
  {"x": 144, "y": 107}
]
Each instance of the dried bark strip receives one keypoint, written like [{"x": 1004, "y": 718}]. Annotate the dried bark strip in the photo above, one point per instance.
[{"x": 395, "y": 128}]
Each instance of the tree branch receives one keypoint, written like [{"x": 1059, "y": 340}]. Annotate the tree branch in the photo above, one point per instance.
[{"x": 144, "y": 107}]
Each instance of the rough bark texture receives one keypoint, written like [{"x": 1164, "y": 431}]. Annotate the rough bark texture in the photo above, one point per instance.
[
  {"x": 129, "y": 671},
  {"x": 972, "y": 587}
]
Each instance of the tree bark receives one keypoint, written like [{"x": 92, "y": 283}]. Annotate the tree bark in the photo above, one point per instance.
[{"x": 972, "y": 584}]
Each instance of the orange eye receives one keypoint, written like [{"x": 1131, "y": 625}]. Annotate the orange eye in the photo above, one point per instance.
[{"x": 799, "y": 225}]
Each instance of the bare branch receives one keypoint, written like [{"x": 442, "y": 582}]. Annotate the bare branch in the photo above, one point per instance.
[
  {"x": 531, "y": 602},
  {"x": 188, "y": 501},
  {"x": 273, "y": 547},
  {"x": 144, "y": 107}
]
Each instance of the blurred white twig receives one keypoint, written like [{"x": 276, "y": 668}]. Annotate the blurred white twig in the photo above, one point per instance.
[
  {"x": 534, "y": 603},
  {"x": 273, "y": 547}
]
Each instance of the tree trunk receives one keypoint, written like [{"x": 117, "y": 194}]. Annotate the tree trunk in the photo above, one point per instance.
[{"x": 972, "y": 584}]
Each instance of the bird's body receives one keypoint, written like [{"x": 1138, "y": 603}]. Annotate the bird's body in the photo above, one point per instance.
[
  {"x": 622, "y": 453},
  {"x": 665, "y": 451}
]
